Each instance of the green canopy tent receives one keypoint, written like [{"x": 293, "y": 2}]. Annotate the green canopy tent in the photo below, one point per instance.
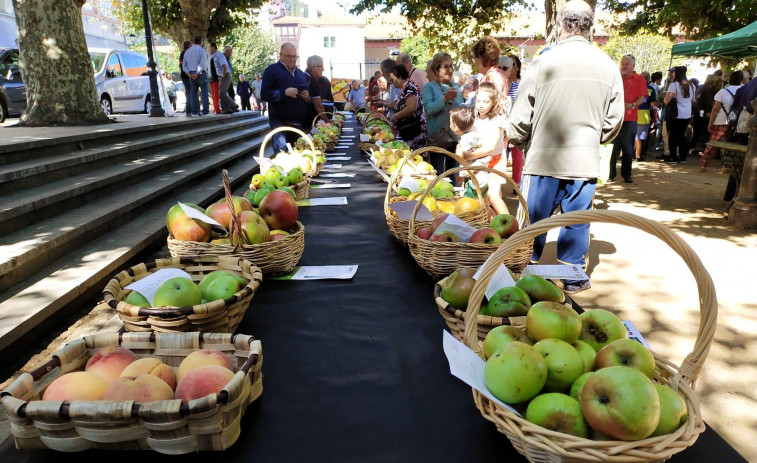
[{"x": 737, "y": 45}]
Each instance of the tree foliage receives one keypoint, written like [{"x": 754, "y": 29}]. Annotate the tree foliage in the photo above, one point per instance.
[
  {"x": 181, "y": 20},
  {"x": 420, "y": 49},
  {"x": 652, "y": 52},
  {"x": 698, "y": 19},
  {"x": 254, "y": 50}
]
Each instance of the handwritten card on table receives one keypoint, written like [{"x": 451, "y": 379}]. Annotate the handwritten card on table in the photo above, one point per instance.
[
  {"x": 335, "y": 201},
  {"x": 559, "y": 271},
  {"x": 404, "y": 210},
  {"x": 320, "y": 272},
  {"x": 465, "y": 365},
  {"x": 149, "y": 284},
  {"x": 500, "y": 279},
  {"x": 460, "y": 228}
]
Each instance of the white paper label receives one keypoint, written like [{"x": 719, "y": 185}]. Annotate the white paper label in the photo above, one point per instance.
[
  {"x": 404, "y": 210},
  {"x": 264, "y": 163},
  {"x": 325, "y": 272},
  {"x": 365, "y": 138},
  {"x": 465, "y": 365},
  {"x": 195, "y": 214},
  {"x": 635, "y": 334},
  {"x": 347, "y": 129},
  {"x": 338, "y": 158},
  {"x": 289, "y": 147},
  {"x": 559, "y": 271},
  {"x": 500, "y": 279},
  {"x": 336, "y": 175},
  {"x": 410, "y": 183},
  {"x": 458, "y": 227},
  {"x": 149, "y": 284},
  {"x": 332, "y": 166},
  {"x": 333, "y": 185},
  {"x": 342, "y": 147},
  {"x": 335, "y": 201},
  {"x": 335, "y": 154}
]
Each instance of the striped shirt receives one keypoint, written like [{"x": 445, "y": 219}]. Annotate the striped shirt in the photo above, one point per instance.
[{"x": 513, "y": 90}]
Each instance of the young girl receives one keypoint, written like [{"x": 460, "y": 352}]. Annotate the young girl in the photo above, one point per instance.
[{"x": 489, "y": 125}]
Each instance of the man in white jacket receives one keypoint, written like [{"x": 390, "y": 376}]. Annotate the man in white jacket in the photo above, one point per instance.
[{"x": 569, "y": 102}]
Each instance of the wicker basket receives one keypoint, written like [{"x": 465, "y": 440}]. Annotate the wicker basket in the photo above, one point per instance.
[
  {"x": 301, "y": 189},
  {"x": 455, "y": 318},
  {"x": 441, "y": 259},
  {"x": 272, "y": 257},
  {"x": 221, "y": 316},
  {"x": 209, "y": 423},
  {"x": 399, "y": 227},
  {"x": 541, "y": 445}
]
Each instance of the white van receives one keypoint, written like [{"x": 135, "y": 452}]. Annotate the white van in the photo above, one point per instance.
[{"x": 121, "y": 79}]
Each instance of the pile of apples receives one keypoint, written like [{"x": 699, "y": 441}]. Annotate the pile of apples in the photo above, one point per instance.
[
  {"x": 580, "y": 375},
  {"x": 275, "y": 215},
  {"x": 115, "y": 373},
  {"x": 302, "y": 159},
  {"x": 183, "y": 292},
  {"x": 501, "y": 227},
  {"x": 379, "y": 131},
  {"x": 319, "y": 143}
]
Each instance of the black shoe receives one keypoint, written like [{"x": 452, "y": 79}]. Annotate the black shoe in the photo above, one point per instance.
[
  {"x": 641, "y": 159},
  {"x": 670, "y": 160},
  {"x": 628, "y": 179},
  {"x": 681, "y": 161},
  {"x": 660, "y": 156},
  {"x": 576, "y": 287}
]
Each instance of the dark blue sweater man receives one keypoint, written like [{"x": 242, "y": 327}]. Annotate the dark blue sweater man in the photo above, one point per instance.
[{"x": 285, "y": 88}]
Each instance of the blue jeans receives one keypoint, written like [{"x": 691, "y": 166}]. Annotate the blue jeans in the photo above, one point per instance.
[
  {"x": 199, "y": 84},
  {"x": 625, "y": 142},
  {"x": 280, "y": 139},
  {"x": 543, "y": 195}
]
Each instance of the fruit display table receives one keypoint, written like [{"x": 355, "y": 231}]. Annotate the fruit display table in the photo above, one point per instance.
[{"x": 354, "y": 369}]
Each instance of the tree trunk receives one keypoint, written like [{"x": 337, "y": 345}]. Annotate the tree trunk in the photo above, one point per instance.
[
  {"x": 551, "y": 7},
  {"x": 55, "y": 64},
  {"x": 197, "y": 16}
]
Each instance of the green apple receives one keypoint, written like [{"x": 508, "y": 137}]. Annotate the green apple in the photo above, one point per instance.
[
  {"x": 222, "y": 287},
  {"x": 539, "y": 289},
  {"x": 501, "y": 335},
  {"x": 136, "y": 298},
  {"x": 600, "y": 327},
  {"x": 445, "y": 186},
  {"x": 621, "y": 402},
  {"x": 564, "y": 365},
  {"x": 509, "y": 301},
  {"x": 587, "y": 354},
  {"x": 290, "y": 191},
  {"x": 268, "y": 184},
  {"x": 458, "y": 286},
  {"x": 626, "y": 352},
  {"x": 578, "y": 385},
  {"x": 272, "y": 173},
  {"x": 404, "y": 192},
  {"x": 256, "y": 181},
  {"x": 673, "y": 412},
  {"x": 177, "y": 292},
  {"x": 262, "y": 193},
  {"x": 557, "y": 412},
  {"x": 281, "y": 181},
  {"x": 515, "y": 373},
  {"x": 446, "y": 194},
  {"x": 552, "y": 320},
  {"x": 506, "y": 225},
  {"x": 295, "y": 176},
  {"x": 320, "y": 160},
  {"x": 249, "y": 195},
  {"x": 208, "y": 279}
]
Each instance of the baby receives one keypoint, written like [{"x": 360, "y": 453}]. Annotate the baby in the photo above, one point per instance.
[{"x": 461, "y": 120}]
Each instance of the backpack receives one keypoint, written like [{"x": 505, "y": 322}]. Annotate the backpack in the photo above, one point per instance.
[{"x": 732, "y": 114}]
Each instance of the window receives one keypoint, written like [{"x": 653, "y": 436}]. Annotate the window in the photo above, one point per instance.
[
  {"x": 114, "y": 67},
  {"x": 329, "y": 42},
  {"x": 97, "y": 60},
  {"x": 10, "y": 65},
  {"x": 134, "y": 64},
  {"x": 287, "y": 33}
]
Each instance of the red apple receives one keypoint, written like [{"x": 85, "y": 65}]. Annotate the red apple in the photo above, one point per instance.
[
  {"x": 445, "y": 237},
  {"x": 505, "y": 224},
  {"x": 425, "y": 233},
  {"x": 185, "y": 228},
  {"x": 254, "y": 229},
  {"x": 279, "y": 210},
  {"x": 220, "y": 210},
  {"x": 177, "y": 211},
  {"x": 626, "y": 352},
  {"x": 485, "y": 235},
  {"x": 438, "y": 221},
  {"x": 278, "y": 234}
]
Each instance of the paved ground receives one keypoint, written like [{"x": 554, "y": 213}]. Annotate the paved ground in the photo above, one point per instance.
[{"x": 641, "y": 279}]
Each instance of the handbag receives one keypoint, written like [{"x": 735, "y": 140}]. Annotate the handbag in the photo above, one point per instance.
[
  {"x": 409, "y": 128},
  {"x": 441, "y": 139},
  {"x": 671, "y": 109}
]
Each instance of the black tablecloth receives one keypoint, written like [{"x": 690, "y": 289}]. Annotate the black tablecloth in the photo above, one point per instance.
[{"x": 354, "y": 370}]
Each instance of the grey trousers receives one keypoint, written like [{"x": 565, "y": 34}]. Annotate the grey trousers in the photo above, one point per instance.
[{"x": 227, "y": 104}]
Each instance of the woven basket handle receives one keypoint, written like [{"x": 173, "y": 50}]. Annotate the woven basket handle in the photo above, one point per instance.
[
  {"x": 269, "y": 137},
  {"x": 393, "y": 180},
  {"x": 708, "y": 305},
  {"x": 375, "y": 117},
  {"x": 315, "y": 119},
  {"x": 472, "y": 170}
]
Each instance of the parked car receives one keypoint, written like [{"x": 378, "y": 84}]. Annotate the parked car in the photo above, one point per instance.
[
  {"x": 12, "y": 88},
  {"x": 121, "y": 80}
]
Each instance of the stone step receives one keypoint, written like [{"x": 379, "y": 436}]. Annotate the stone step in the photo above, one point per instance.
[
  {"x": 65, "y": 284},
  {"x": 21, "y": 144},
  {"x": 24, "y": 252},
  {"x": 24, "y": 207},
  {"x": 42, "y": 170}
]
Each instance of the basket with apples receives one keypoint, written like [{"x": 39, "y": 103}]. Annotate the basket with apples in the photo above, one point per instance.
[
  {"x": 441, "y": 199},
  {"x": 614, "y": 401},
  {"x": 450, "y": 243},
  {"x": 269, "y": 235},
  {"x": 210, "y": 295},
  {"x": 138, "y": 391}
]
